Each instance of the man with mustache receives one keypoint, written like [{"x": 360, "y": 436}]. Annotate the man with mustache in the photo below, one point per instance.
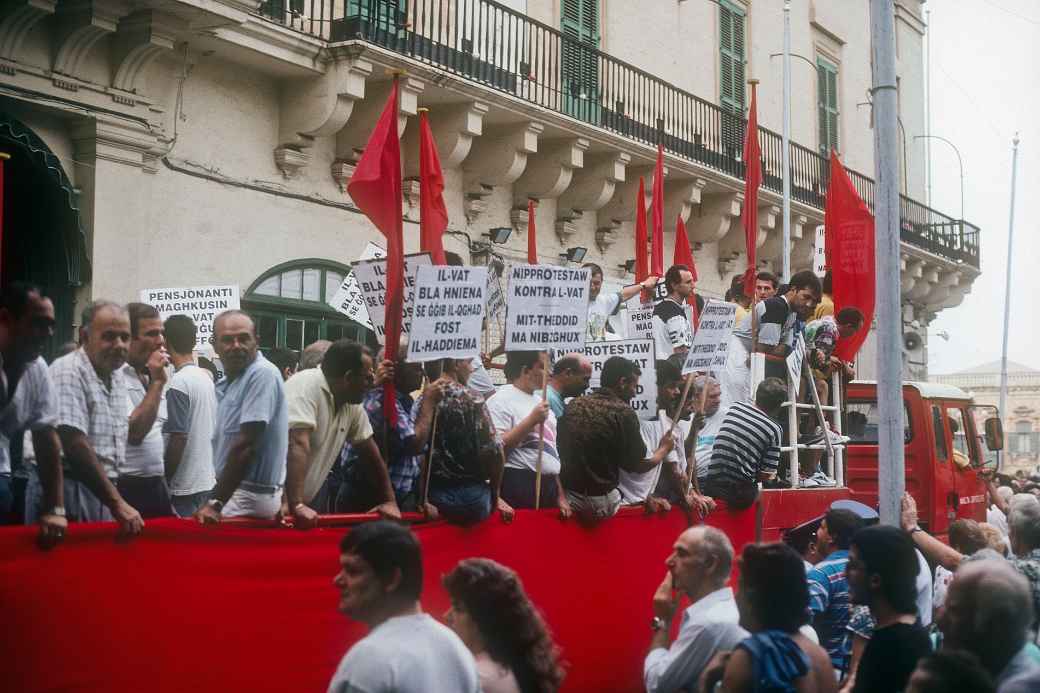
[{"x": 91, "y": 420}]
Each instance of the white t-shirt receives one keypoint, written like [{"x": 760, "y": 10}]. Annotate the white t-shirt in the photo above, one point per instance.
[
  {"x": 191, "y": 408},
  {"x": 407, "y": 654},
  {"x": 635, "y": 487},
  {"x": 706, "y": 441},
  {"x": 600, "y": 310},
  {"x": 480, "y": 380},
  {"x": 508, "y": 408},
  {"x": 146, "y": 459}
]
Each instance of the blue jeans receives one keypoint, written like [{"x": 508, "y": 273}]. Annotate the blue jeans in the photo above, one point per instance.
[
  {"x": 185, "y": 506},
  {"x": 464, "y": 503}
]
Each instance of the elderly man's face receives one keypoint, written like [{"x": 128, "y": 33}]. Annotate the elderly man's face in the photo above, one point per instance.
[
  {"x": 686, "y": 562},
  {"x": 107, "y": 340},
  {"x": 235, "y": 342},
  {"x": 575, "y": 382},
  {"x": 713, "y": 400},
  {"x": 956, "y": 619}
]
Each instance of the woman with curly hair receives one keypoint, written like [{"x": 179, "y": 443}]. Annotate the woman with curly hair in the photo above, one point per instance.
[{"x": 493, "y": 616}]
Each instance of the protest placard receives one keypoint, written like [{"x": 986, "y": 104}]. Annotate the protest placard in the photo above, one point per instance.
[
  {"x": 639, "y": 350},
  {"x": 794, "y": 362},
  {"x": 546, "y": 308},
  {"x": 447, "y": 312},
  {"x": 640, "y": 318},
  {"x": 820, "y": 253},
  {"x": 710, "y": 345},
  {"x": 200, "y": 303},
  {"x": 348, "y": 299},
  {"x": 496, "y": 298},
  {"x": 371, "y": 278}
]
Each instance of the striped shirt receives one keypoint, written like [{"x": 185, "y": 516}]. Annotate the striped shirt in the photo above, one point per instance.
[
  {"x": 831, "y": 607},
  {"x": 748, "y": 442}
]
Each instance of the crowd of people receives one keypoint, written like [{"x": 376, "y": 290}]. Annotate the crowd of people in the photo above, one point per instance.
[{"x": 129, "y": 424}]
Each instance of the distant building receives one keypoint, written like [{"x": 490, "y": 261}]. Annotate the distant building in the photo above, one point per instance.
[{"x": 1022, "y": 418}]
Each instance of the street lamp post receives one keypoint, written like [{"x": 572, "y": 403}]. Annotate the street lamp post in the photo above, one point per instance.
[{"x": 960, "y": 162}]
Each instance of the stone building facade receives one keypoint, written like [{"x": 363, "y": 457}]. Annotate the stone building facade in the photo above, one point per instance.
[{"x": 191, "y": 143}]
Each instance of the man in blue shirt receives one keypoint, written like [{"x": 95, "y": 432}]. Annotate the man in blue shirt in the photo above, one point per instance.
[
  {"x": 829, "y": 586},
  {"x": 251, "y": 439},
  {"x": 570, "y": 378}
]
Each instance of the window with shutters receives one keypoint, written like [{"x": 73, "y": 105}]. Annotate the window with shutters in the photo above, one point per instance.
[
  {"x": 579, "y": 22},
  {"x": 827, "y": 105},
  {"x": 732, "y": 81}
]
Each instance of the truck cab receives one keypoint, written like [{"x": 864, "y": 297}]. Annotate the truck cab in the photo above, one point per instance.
[{"x": 948, "y": 440}]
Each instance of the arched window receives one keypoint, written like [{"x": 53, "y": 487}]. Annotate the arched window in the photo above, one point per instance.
[{"x": 290, "y": 305}]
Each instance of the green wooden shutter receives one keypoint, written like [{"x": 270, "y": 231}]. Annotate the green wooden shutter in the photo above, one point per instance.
[
  {"x": 731, "y": 57},
  {"x": 827, "y": 105},
  {"x": 579, "y": 22}
]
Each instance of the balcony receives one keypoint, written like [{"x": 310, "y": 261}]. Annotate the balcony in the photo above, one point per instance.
[{"x": 506, "y": 51}]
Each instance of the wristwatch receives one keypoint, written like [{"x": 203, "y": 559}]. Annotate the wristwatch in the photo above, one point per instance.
[
  {"x": 914, "y": 530},
  {"x": 657, "y": 624},
  {"x": 216, "y": 504},
  {"x": 58, "y": 510}
]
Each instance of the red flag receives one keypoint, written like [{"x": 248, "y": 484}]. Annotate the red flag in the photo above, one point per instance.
[
  {"x": 752, "y": 179},
  {"x": 642, "y": 271},
  {"x": 433, "y": 215},
  {"x": 657, "y": 218},
  {"x": 849, "y": 231},
  {"x": 375, "y": 188},
  {"x": 532, "y": 238}
]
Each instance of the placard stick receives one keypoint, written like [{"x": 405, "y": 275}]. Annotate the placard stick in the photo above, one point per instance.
[
  {"x": 691, "y": 465},
  {"x": 682, "y": 401},
  {"x": 428, "y": 471},
  {"x": 807, "y": 373},
  {"x": 541, "y": 434}
]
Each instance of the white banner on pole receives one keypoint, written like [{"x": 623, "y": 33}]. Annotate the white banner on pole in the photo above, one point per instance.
[
  {"x": 447, "y": 313},
  {"x": 546, "y": 308},
  {"x": 371, "y": 277},
  {"x": 819, "y": 253},
  {"x": 200, "y": 303},
  {"x": 348, "y": 299},
  {"x": 710, "y": 345},
  {"x": 639, "y": 350},
  {"x": 640, "y": 318}
]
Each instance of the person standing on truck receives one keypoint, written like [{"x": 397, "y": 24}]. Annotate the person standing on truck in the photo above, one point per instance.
[
  {"x": 673, "y": 333},
  {"x": 406, "y": 651},
  {"x": 603, "y": 305},
  {"x": 747, "y": 448},
  {"x": 829, "y": 586},
  {"x": 775, "y": 336}
]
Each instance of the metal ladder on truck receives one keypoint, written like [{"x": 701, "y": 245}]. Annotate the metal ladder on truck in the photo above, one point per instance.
[{"x": 835, "y": 458}]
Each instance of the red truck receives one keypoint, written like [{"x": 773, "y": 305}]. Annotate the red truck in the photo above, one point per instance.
[{"x": 949, "y": 439}]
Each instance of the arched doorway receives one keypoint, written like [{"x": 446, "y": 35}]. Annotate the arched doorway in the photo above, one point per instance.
[
  {"x": 43, "y": 241},
  {"x": 290, "y": 305}
]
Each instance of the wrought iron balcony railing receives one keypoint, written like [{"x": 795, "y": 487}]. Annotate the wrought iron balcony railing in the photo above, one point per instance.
[{"x": 511, "y": 53}]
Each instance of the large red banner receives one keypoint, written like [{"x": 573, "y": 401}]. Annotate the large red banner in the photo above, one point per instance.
[{"x": 229, "y": 608}]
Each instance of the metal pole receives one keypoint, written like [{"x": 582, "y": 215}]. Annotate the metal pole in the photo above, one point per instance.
[
  {"x": 891, "y": 465},
  {"x": 1007, "y": 291},
  {"x": 786, "y": 156},
  {"x": 928, "y": 105}
]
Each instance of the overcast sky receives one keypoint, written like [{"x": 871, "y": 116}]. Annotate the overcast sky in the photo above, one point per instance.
[{"x": 985, "y": 67}]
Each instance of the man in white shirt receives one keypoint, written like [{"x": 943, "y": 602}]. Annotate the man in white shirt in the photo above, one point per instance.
[
  {"x": 405, "y": 651},
  {"x": 517, "y": 414},
  {"x": 191, "y": 412},
  {"x": 699, "y": 565},
  {"x": 27, "y": 402},
  {"x": 603, "y": 305},
  {"x": 142, "y": 478},
  {"x": 713, "y": 415},
  {"x": 673, "y": 333}
]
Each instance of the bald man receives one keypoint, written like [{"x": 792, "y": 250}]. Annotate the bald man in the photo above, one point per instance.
[
  {"x": 698, "y": 567},
  {"x": 570, "y": 378},
  {"x": 988, "y": 609}
]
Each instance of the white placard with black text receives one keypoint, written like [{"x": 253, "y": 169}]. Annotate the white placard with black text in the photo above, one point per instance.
[
  {"x": 447, "y": 313},
  {"x": 200, "y": 303},
  {"x": 639, "y": 350},
  {"x": 546, "y": 308},
  {"x": 348, "y": 299},
  {"x": 710, "y": 345},
  {"x": 371, "y": 277}
]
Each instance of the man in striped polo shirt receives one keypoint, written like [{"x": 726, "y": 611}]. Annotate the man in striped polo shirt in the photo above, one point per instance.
[{"x": 747, "y": 447}]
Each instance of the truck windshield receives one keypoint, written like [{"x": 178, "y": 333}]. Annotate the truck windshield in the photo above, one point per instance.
[
  {"x": 963, "y": 453},
  {"x": 861, "y": 423}
]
